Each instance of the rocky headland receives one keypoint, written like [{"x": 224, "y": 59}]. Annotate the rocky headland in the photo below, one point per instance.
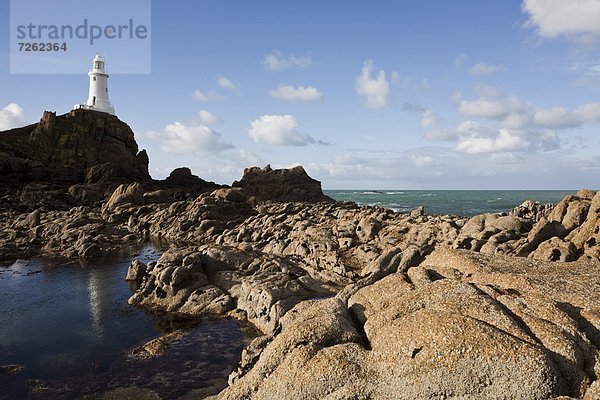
[{"x": 350, "y": 302}]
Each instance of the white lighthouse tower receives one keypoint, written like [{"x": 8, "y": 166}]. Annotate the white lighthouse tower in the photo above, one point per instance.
[{"x": 98, "y": 95}]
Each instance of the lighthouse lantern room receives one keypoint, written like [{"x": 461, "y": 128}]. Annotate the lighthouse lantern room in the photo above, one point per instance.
[{"x": 98, "y": 94}]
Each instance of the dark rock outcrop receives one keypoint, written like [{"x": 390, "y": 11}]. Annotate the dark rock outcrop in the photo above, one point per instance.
[
  {"x": 283, "y": 185},
  {"x": 81, "y": 146},
  {"x": 182, "y": 178},
  {"x": 181, "y": 184}
]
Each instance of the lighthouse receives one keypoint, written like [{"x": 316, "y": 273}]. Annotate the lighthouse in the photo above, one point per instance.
[{"x": 98, "y": 94}]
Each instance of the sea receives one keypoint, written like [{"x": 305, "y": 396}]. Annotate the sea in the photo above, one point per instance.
[{"x": 460, "y": 202}]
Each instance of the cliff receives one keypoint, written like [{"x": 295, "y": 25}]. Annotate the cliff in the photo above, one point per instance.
[{"x": 81, "y": 146}]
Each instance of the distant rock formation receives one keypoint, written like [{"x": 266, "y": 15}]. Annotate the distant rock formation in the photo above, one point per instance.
[
  {"x": 532, "y": 210},
  {"x": 282, "y": 185},
  {"x": 79, "y": 147}
]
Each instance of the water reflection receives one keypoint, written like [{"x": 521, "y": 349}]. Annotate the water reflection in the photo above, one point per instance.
[
  {"x": 100, "y": 301},
  {"x": 71, "y": 328}
]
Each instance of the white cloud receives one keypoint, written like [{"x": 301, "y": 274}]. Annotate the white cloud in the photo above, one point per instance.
[
  {"x": 300, "y": 93},
  {"x": 276, "y": 61},
  {"x": 475, "y": 138},
  {"x": 556, "y": 117},
  {"x": 422, "y": 161},
  {"x": 11, "y": 116},
  {"x": 187, "y": 139},
  {"x": 434, "y": 127},
  {"x": 246, "y": 158},
  {"x": 415, "y": 165},
  {"x": 589, "y": 112},
  {"x": 455, "y": 170},
  {"x": 348, "y": 159},
  {"x": 376, "y": 91},
  {"x": 278, "y": 130},
  {"x": 460, "y": 60},
  {"x": 513, "y": 113},
  {"x": 503, "y": 123},
  {"x": 516, "y": 124},
  {"x": 225, "y": 83},
  {"x": 211, "y": 95},
  {"x": 561, "y": 118},
  {"x": 180, "y": 138},
  {"x": 576, "y": 20},
  {"x": 470, "y": 129},
  {"x": 504, "y": 141},
  {"x": 490, "y": 107},
  {"x": 208, "y": 118},
  {"x": 486, "y": 69}
]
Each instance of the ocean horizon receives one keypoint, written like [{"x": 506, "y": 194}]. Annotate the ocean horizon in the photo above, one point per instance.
[{"x": 461, "y": 202}]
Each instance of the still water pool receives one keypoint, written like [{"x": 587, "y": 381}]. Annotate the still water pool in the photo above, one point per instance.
[{"x": 70, "y": 328}]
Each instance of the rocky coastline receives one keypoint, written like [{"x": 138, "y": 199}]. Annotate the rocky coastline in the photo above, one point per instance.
[{"x": 350, "y": 302}]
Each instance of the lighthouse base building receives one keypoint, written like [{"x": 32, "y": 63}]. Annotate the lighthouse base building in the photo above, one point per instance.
[{"x": 98, "y": 94}]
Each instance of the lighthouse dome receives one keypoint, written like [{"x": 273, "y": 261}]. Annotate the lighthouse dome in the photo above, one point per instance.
[{"x": 98, "y": 62}]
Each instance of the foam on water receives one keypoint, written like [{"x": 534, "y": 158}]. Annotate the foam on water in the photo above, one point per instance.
[{"x": 461, "y": 202}]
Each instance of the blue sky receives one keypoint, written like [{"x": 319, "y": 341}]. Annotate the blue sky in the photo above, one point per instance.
[{"x": 470, "y": 94}]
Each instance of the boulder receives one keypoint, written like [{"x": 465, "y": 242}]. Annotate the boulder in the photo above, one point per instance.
[
  {"x": 84, "y": 194},
  {"x": 532, "y": 210},
  {"x": 136, "y": 271},
  {"x": 288, "y": 368},
  {"x": 33, "y": 219},
  {"x": 182, "y": 184},
  {"x": 418, "y": 212},
  {"x": 11, "y": 369},
  {"x": 235, "y": 195},
  {"x": 282, "y": 185},
  {"x": 555, "y": 249},
  {"x": 570, "y": 212},
  {"x": 481, "y": 228},
  {"x": 586, "y": 194},
  {"x": 157, "y": 196},
  {"x": 367, "y": 228},
  {"x": 132, "y": 194},
  {"x": 587, "y": 237},
  {"x": 543, "y": 230}
]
